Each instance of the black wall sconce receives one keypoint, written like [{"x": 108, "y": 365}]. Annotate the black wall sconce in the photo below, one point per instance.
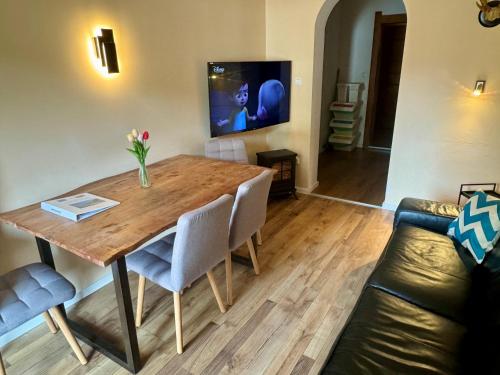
[{"x": 105, "y": 50}]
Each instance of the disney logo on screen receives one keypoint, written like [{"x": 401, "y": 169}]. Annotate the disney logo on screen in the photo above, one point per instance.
[{"x": 219, "y": 69}]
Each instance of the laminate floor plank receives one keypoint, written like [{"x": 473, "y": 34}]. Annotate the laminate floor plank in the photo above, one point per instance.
[
  {"x": 316, "y": 256},
  {"x": 360, "y": 175}
]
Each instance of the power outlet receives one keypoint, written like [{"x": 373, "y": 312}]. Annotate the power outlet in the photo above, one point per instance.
[{"x": 298, "y": 160}]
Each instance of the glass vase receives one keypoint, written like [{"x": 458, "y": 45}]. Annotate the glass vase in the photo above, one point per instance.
[{"x": 144, "y": 175}]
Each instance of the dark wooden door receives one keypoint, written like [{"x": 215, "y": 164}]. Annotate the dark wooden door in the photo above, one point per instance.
[{"x": 387, "y": 59}]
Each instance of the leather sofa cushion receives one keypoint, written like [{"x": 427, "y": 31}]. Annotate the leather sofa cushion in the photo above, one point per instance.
[
  {"x": 435, "y": 216},
  {"x": 387, "y": 335},
  {"x": 424, "y": 268}
]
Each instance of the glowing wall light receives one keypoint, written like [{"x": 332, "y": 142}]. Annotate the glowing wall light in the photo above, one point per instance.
[
  {"x": 479, "y": 88},
  {"x": 105, "y": 50}
]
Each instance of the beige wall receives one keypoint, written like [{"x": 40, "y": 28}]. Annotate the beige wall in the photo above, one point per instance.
[
  {"x": 332, "y": 65},
  {"x": 63, "y": 125},
  {"x": 443, "y": 136},
  {"x": 290, "y": 27}
]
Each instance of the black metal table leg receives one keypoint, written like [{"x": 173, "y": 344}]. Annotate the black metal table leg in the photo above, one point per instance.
[
  {"x": 122, "y": 289},
  {"x": 130, "y": 359}
]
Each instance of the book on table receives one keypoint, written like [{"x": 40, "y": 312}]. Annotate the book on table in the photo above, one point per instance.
[{"x": 78, "y": 207}]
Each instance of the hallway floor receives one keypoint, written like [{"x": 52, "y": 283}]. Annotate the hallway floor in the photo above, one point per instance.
[{"x": 360, "y": 175}]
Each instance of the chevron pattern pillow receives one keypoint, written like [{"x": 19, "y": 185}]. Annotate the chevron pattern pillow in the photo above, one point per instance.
[{"x": 477, "y": 227}]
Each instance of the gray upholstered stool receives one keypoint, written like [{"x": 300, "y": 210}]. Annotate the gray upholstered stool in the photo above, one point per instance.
[
  {"x": 174, "y": 262},
  {"x": 33, "y": 290}
]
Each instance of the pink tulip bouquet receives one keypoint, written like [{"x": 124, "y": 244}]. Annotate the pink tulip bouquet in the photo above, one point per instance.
[{"x": 140, "y": 150}]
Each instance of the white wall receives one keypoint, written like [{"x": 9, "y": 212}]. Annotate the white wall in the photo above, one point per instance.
[
  {"x": 62, "y": 125},
  {"x": 353, "y": 39}
]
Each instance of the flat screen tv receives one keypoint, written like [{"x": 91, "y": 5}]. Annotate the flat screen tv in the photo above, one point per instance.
[{"x": 246, "y": 96}]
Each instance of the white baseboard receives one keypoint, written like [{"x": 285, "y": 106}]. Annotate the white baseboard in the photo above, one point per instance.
[
  {"x": 35, "y": 322},
  {"x": 307, "y": 190}
]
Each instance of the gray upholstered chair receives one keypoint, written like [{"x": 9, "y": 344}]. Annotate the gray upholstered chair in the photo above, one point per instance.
[
  {"x": 34, "y": 290},
  {"x": 247, "y": 219},
  {"x": 227, "y": 149},
  {"x": 175, "y": 261}
]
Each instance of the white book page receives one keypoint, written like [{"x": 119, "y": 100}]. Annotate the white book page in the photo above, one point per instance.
[{"x": 82, "y": 203}]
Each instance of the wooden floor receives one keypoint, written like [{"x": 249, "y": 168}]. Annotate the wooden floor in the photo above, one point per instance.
[
  {"x": 359, "y": 176},
  {"x": 315, "y": 259}
]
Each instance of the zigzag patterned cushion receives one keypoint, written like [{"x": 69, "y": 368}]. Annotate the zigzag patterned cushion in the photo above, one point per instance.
[{"x": 477, "y": 227}]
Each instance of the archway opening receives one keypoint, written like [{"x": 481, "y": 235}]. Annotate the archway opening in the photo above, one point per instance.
[{"x": 358, "y": 58}]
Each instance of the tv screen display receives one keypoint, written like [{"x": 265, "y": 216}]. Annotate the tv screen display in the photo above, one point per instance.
[{"x": 246, "y": 96}]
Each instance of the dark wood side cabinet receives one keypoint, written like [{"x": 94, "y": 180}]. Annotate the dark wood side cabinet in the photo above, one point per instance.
[{"x": 284, "y": 162}]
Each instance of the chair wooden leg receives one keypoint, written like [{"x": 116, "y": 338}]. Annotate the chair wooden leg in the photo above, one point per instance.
[
  {"x": 140, "y": 300},
  {"x": 213, "y": 284},
  {"x": 259, "y": 237},
  {"x": 61, "y": 322},
  {"x": 229, "y": 279},
  {"x": 255, "y": 262},
  {"x": 2, "y": 368},
  {"x": 50, "y": 322},
  {"x": 178, "y": 322}
]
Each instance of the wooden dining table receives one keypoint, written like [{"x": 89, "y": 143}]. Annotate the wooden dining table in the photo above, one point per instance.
[{"x": 179, "y": 184}]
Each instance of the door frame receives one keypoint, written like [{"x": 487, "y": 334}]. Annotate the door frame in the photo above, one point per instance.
[{"x": 373, "y": 85}]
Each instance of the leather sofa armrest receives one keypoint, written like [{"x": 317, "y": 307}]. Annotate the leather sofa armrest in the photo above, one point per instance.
[{"x": 431, "y": 215}]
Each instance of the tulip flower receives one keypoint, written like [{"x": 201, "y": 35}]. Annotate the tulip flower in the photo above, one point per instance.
[{"x": 138, "y": 148}]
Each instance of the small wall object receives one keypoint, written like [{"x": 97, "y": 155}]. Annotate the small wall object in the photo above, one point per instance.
[
  {"x": 479, "y": 88},
  {"x": 489, "y": 15},
  {"x": 105, "y": 50}
]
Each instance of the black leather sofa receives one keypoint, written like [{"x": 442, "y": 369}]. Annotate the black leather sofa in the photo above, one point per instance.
[{"x": 427, "y": 308}]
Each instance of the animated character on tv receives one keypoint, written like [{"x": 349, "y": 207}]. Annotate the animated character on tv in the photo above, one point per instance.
[
  {"x": 239, "y": 116},
  {"x": 271, "y": 94}
]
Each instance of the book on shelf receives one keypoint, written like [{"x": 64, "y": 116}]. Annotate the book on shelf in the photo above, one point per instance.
[
  {"x": 344, "y": 107},
  {"x": 346, "y": 134},
  {"x": 344, "y": 124},
  {"x": 346, "y": 116},
  {"x": 78, "y": 207},
  {"x": 344, "y": 144},
  {"x": 335, "y": 138}
]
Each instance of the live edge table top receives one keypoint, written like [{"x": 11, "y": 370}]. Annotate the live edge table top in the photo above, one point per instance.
[{"x": 179, "y": 184}]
